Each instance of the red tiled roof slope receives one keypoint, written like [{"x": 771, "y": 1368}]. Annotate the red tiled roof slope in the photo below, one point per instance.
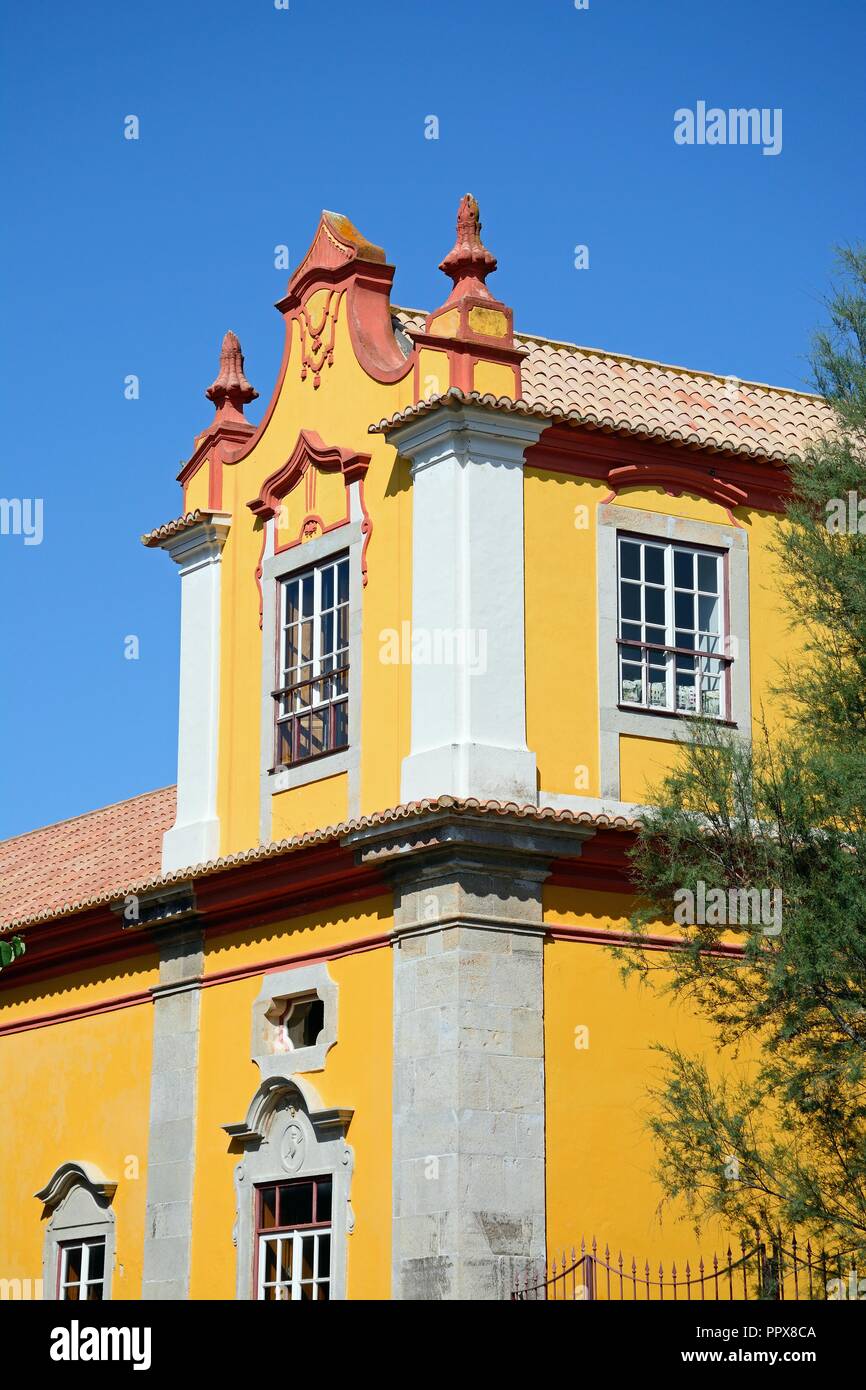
[
  {"x": 91, "y": 855},
  {"x": 405, "y": 811},
  {"x": 608, "y": 391}
]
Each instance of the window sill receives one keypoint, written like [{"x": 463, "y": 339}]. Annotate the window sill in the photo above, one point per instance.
[
  {"x": 675, "y": 714},
  {"x": 282, "y": 779}
]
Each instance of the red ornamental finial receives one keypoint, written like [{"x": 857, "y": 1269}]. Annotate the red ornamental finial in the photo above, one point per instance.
[
  {"x": 231, "y": 385},
  {"x": 468, "y": 262}
]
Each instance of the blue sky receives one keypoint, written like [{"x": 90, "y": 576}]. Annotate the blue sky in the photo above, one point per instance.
[{"x": 124, "y": 257}]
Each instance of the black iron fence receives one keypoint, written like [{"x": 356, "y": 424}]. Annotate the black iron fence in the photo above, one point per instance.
[{"x": 774, "y": 1268}]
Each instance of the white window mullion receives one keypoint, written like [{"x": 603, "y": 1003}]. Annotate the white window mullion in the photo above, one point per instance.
[
  {"x": 670, "y": 660},
  {"x": 317, "y": 625},
  {"x": 297, "y": 1252},
  {"x": 644, "y": 664}
]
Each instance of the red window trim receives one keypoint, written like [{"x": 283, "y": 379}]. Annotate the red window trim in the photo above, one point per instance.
[{"x": 278, "y": 1230}]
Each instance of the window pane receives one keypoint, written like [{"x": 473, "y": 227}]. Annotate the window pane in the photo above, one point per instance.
[
  {"x": 327, "y": 633},
  {"x": 708, "y": 614},
  {"x": 343, "y": 582},
  {"x": 654, "y": 600},
  {"x": 323, "y": 1206},
  {"x": 292, "y": 612},
  {"x": 685, "y": 679},
  {"x": 96, "y": 1260},
  {"x": 296, "y": 1204},
  {"x": 632, "y": 684},
  {"x": 287, "y": 1249},
  {"x": 341, "y": 725},
  {"x": 303, "y": 694},
  {"x": 631, "y": 602},
  {"x": 328, "y": 587},
  {"x": 318, "y": 732},
  {"x": 302, "y": 727},
  {"x": 657, "y": 635},
  {"x": 711, "y": 696},
  {"x": 290, "y": 652},
  {"x": 284, "y": 744},
  {"x": 93, "y": 1292},
  {"x": 270, "y": 1252},
  {"x": 267, "y": 1208},
  {"x": 708, "y": 573},
  {"x": 657, "y": 672},
  {"x": 654, "y": 564},
  {"x": 684, "y": 610},
  {"x": 72, "y": 1272},
  {"x": 307, "y": 587},
  {"x": 629, "y": 560},
  {"x": 308, "y": 1249},
  {"x": 684, "y": 569}
]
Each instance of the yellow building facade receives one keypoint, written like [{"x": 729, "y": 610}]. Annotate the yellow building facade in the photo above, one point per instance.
[{"x": 338, "y": 1017}]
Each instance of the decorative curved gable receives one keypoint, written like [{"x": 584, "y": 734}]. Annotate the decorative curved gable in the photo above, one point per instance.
[
  {"x": 310, "y": 451},
  {"x": 344, "y": 263},
  {"x": 272, "y": 1096},
  {"x": 75, "y": 1174}
]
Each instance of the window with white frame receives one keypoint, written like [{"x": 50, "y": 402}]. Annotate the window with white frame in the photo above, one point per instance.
[
  {"x": 293, "y": 1240},
  {"x": 672, "y": 640},
  {"x": 81, "y": 1276},
  {"x": 312, "y": 695}
]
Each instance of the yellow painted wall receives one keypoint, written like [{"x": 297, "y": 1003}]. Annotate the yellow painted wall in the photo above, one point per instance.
[
  {"x": 76, "y": 1090},
  {"x": 493, "y": 377},
  {"x": 357, "y": 1074},
  {"x": 340, "y": 410},
  {"x": 561, "y": 640},
  {"x": 600, "y": 1158},
  {"x": 320, "y": 803},
  {"x": 197, "y": 489},
  {"x": 643, "y": 763},
  {"x": 434, "y": 372}
]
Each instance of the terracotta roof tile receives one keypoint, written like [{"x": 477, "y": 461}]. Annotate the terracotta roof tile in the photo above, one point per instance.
[
  {"x": 47, "y": 871},
  {"x": 174, "y": 528},
  {"x": 607, "y": 391},
  {"x": 117, "y": 885}
]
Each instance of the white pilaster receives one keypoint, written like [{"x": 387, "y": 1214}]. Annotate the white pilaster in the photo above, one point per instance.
[
  {"x": 197, "y": 551},
  {"x": 468, "y": 629}
]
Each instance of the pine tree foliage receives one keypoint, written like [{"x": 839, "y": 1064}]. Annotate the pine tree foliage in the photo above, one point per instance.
[{"x": 777, "y": 1137}]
